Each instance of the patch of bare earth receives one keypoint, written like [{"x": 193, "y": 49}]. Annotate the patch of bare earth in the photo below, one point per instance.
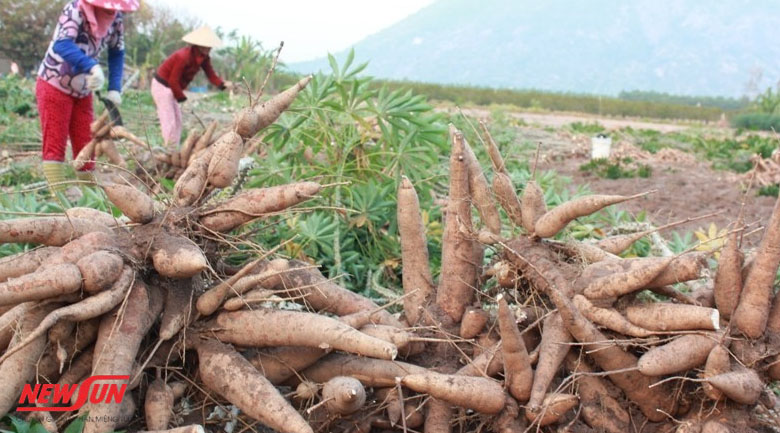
[{"x": 686, "y": 187}]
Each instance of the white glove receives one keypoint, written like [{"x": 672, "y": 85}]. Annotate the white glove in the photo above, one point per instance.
[
  {"x": 115, "y": 97},
  {"x": 95, "y": 79}
]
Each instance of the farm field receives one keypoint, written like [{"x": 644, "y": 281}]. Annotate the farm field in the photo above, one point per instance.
[{"x": 248, "y": 271}]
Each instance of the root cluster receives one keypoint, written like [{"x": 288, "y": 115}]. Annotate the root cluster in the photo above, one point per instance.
[{"x": 551, "y": 334}]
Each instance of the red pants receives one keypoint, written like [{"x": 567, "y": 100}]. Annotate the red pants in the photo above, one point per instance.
[{"x": 61, "y": 116}]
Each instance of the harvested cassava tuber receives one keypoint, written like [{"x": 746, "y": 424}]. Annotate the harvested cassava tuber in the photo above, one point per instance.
[
  {"x": 177, "y": 257},
  {"x": 246, "y": 388},
  {"x": 256, "y": 203},
  {"x": 477, "y": 393},
  {"x": 683, "y": 353},
  {"x": 554, "y": 406},
  {"x": 473, "y": 322},
  {"x": 100, "y": 270},
  {"x": 265, "y": 327},
  {"x": 663, "y": 316},
  {"x": 517, "y": 365},
  {"x": 417, "y": 280},
  {"x": 549, "y": 224},
  {"x": 158, "y": 406},
  {"x": 458, "y": 276},
  {"x": 223, "y": 166},
  {"x": 134, "y": 203},
  {"x": 743, "y": 386},
  {"x": 51, "y": 281},
  {"x": 51, "y": 231},
  {"x": 24, "y": 263},
  {"x": 343, "y": 395}
]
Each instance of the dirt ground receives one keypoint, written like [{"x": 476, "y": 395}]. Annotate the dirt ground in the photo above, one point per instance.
[{"x": 686, "y": 187}]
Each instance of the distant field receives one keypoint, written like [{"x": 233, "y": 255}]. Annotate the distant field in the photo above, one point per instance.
[{"x": 636, "y": 104}]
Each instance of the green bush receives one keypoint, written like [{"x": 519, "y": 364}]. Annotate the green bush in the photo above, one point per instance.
[
  {"x": 589, "y": 128},
  {"x": 617, "y": 169},
  {"x": 16, "y": 97},
  {"x": 769, "y": 190},
  {"x": 757, "y": 122},
  {"x": 536, "y": 99}
]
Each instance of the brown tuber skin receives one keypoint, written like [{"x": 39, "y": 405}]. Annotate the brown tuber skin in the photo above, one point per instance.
[
  {"x": 257, "y": 203},
  {"x": 728, "y": 278},
  {"x": 416, "y": 277},
  {"x": 752, "y": 312},
  {"x": 51, "y": 231},
  {"x": 223, "y": 167},
  {"x": 552, "y": 352},
  {"x": 119, "y": 340},
  {"x": 743, "y": 386},
  {"x": 554, "y": 406},
  {"x": 533, "y": 205},
  {"x": 718, "y": 362},
  {"x": 264, "y": 327},
  {"x": 458, "y": 275},
  {"x": 177, "y": 257},
  {"x": 517, "y": 365},
  {"x": 49, "y": 282},
  {"x": 683, "y": 353},
  {"x": 138, "y": 206},
  {"x": 664, "y": 316},
  {"x": 158, "y": 406},
  {"x": 24, "y": 263},
  {"x": 549, "y": 224},
  {"x": 230, "y": 375},
  {"x": 343, "y": 395},
  {"x": 99, "y": 270},
  {"x": 473, "y": 322},
  {"x": 477, "y": 393}
]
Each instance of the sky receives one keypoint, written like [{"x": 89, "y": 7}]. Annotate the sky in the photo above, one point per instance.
[{"x": 309, "y": 29}]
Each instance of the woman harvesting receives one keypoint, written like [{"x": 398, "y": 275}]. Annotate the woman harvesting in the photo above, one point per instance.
[
  {"x": 176, "y": 73},
  {"x": 70, "y": 72}
]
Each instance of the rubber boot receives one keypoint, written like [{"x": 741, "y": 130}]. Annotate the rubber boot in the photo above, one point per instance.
[
  {"x": 54, "y": 172},
  {"x": 88, "y": 176}
]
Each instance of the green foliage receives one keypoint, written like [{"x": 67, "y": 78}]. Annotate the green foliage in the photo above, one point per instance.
[
  {"x": 731, "y": 152},
  {"x": 617, "y": 169},
  {"x": 724, "y": 103},
  {"x": 26, "y": 27},
  {"x": 17, "y": 425},
  {"x": 18, "y": 174},
  {"x": 18, "y": 114},
  {"x": 244, "y": 60},
  {"x": 16, "y": 97},
  {"x": 769, "y": 190},
  {"x": 763, "y": 113},
  {"x": 757, "y": 121},
  {"x": 734, "y": 154},
  {"x": 153, "y": 33},
  {"x": 681, "y": 242},
  {"x": 17, "y": 204},
  {"x": 345, "y": 131},
  {"x": 589, "y": 128},
  {"x": 535, "y": 99},
  {"x": 767, "y": 102}
]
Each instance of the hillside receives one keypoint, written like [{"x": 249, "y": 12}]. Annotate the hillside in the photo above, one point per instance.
[{"x": 683, "y": 47}]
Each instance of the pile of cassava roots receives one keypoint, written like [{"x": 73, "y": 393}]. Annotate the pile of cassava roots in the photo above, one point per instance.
[{"x": 550, "y": 335}]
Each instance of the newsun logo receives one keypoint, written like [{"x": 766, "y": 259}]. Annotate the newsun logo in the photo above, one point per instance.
[{"x": 49, "y": 394}]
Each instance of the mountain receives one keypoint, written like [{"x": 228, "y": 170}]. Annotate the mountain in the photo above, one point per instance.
[{"x": 686, "y": 47}]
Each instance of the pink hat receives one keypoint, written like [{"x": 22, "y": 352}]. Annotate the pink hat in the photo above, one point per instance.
[{"x": 116, "y": 5}]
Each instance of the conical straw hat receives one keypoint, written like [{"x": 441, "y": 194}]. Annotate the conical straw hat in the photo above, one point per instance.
[{"x": 203, "y": 37}]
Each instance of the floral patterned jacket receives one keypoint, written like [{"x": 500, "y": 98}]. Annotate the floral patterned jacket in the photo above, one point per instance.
[{"x": 69, "y": 75}]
